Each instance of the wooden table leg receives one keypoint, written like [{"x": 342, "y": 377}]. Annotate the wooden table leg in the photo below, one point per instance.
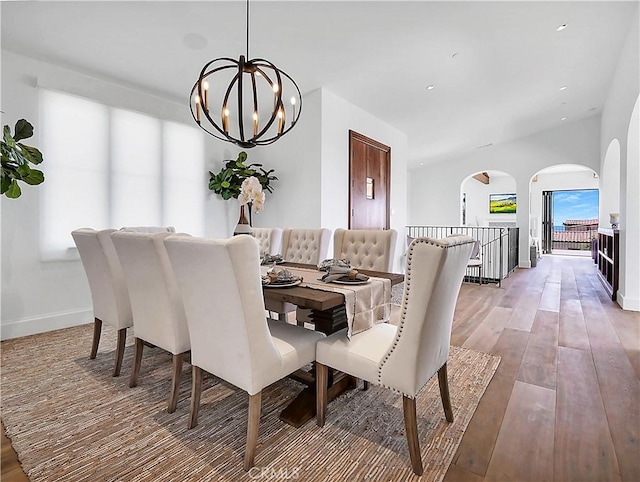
[
  {"x": 303, "y": 407},
  {"x": 331, "y": 320}
]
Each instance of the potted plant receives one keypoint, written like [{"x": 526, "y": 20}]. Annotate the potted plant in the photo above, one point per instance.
[
  {"x": 245, "y": 182},
  {"x": 16, "y": 158},
  {"x": 228, "y": 182}
]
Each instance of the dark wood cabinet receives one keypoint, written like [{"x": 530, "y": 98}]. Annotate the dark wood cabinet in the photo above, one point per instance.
[{"x": 608, "y": 260}]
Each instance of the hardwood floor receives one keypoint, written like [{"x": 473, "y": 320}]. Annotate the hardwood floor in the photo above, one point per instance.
[
  {"x": 10, "y": 466},
  {"x": 564, "y": 403}
]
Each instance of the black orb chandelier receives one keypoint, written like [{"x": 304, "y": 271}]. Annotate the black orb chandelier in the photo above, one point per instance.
[{"x": 250, "y": 109}]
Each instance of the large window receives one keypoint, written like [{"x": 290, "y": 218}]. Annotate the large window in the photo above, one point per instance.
[{"x": 108, "y": 167}]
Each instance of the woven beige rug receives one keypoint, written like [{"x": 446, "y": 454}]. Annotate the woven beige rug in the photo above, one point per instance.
[{"x": 69, "y": 420}]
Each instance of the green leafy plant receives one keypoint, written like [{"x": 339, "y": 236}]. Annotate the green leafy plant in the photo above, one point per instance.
[
  {"x": 228, "y": 181},
  {"x": 16, "y": 158}
]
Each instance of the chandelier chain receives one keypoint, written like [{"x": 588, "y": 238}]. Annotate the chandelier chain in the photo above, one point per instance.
[{"x": 248, "y": 30}]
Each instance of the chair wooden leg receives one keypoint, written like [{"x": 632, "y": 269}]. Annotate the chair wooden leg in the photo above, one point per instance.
[
  {"x": 97, "y": 331},
  {"x": 122, "y": 338},
  {"x": 365, "y": 385},
  {"x": 137, "y": 361},
  {"x": 444, "y": 393},
  {"x": 175, "y": 382},
  {"x": 253, "y": 422},
  {"x": 322, "y": 378},
  {"x": 196, "y": 391},
  {"x": 411, "y": 428}
]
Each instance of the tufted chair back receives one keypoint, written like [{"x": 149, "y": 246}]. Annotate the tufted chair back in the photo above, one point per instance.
[
  {"x": 269, "y": 240},
  {"x": 366, "y": 248},
  {"x": 308, "y": 246}
]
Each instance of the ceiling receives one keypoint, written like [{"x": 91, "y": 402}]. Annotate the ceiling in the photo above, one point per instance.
[{"x": 496, "y": 67}]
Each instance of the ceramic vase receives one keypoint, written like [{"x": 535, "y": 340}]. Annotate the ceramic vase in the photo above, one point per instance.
[{"x": 243, "y": 226}]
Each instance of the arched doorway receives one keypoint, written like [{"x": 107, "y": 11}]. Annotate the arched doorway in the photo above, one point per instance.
[
  {"x": 476, "y": 192},
  {"x": 563, "y": 216},
  {"x": 629, "y": 293}
]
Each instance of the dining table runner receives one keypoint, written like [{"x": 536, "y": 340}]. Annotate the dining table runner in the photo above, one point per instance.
[{"x": 366, "y": 304}]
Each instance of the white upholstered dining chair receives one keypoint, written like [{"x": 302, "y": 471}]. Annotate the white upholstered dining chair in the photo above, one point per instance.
[
  {"x": 269, "y": 240},
  {"x": 300, "y": 245},
  {"x": 403, "y": 358},
  {"x": 371, "y": 249},
  {"x": 158, "y": 314},
  {"x": 109, "y": 293},
  {"x": 230, "y": 336}
]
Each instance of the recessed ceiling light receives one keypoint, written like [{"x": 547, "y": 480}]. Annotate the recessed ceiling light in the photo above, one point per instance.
[
  {"x": 195, "y": 41},
  {"x": 561, "y": 27},
  {"x": 431, "y": 87},
  {"x": 564, "y": 87},
  {"x": 422, "y": 163},
  {"x": 564, "y": 118}
]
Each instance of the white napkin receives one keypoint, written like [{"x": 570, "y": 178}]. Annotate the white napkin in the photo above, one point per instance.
[{"x": 337, "y": 272}]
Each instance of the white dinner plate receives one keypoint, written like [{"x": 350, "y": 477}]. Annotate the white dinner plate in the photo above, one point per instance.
[
  {"x": 282, "y": 285},
  {"x": 350, "y": 281}
]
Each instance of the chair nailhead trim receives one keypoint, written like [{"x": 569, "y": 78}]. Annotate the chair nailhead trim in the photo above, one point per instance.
[{"x": 404, "y": 307}]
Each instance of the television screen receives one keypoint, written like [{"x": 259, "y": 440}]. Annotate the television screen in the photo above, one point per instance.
[{"x": 502, "y": 203}]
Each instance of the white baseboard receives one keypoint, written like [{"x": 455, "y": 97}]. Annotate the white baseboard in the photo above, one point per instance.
[
  {"x": 628, "y": 304},
  {"x": 41, "y": 324}
]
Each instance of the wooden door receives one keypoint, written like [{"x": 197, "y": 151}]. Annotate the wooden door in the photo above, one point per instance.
[{"x": 369, "y": 183}]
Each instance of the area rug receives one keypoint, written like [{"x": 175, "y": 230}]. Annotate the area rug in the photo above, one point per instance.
[{"x": 70, "y": 420}]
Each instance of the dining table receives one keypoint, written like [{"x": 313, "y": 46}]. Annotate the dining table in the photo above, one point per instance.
[{"x": 328, "y": 315}]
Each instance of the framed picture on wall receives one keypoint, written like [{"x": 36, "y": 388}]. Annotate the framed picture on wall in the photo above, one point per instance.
[{"x": 502, "y": 203}]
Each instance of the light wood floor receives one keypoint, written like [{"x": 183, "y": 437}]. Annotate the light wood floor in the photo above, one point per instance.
[{"x": 564, "y": 403}]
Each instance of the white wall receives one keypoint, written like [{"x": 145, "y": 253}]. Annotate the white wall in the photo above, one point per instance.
[
  {"x": 434, "y": 189},
  {"x": 478, "y": 199},
  {"x": 310, "y": 163},
  {"x": 609, "y": 201},
  {"x": 338, "y": 117},
  {"x": 295, "y": 201},
  {"x": 313, "y": 163},
  {"x": 616, "y": 123},
  {"x": 44, "y": 295}
]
